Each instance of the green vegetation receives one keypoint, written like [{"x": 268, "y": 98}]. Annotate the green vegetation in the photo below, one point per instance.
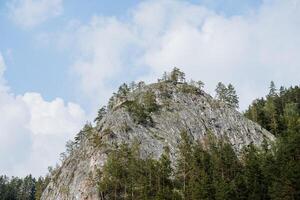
[
  {"x": 279, "y": 112},
  {"x": 188, "y": 89},
  {"x": 136, "y": 107},
  {"x": 210, "y": 169},
  {"x": 71, "y": 146},
  {"x": 175, "y": 76},
  {"x": 101, "y": 113},
  {"x": 227, "y": 95},
  {"x": 127, "y": 176},
  {"x": 27, "y": 188},
  {"x": 84, "y": 133},
  {"x": 141, "y": 108}
]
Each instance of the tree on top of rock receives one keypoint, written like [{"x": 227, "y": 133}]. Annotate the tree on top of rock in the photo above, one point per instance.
[
  {"x": 101, "y": 112},
  {"x": 177, "y": 75},
  {"x": 227, "y": 95},
  {"x": 232, "y": 98}
]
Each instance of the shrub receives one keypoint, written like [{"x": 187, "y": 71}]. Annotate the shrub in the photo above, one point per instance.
[{"x": 141, "y": 108}]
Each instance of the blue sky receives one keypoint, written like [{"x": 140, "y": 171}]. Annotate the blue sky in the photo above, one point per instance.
[
  {"x": 61, "y": 59},
  {"x": 34, "y": 67}
]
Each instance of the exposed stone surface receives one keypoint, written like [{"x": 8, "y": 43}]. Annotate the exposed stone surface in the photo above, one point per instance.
[{"x": 181, "y": 107}]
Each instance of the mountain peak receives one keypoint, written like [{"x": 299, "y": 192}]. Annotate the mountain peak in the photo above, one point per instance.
[{"x": 153, "y": 115}]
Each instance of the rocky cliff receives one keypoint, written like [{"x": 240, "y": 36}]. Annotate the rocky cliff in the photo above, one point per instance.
[{"x": 153, "y": 115}]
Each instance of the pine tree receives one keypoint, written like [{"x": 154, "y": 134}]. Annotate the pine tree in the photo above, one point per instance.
[
  {"x": 177, "y": 75},
  {"x": 291, "y": 117},
  {"x": 221, "y": 92},
  {"x": 149, "y": 102},
  {"x": 200, "y": 85},
  {"x": 141, "y": 85},
  {"x": 271, "y": 112},
  {"x": 123, "y": 90},
  {"x": 111, "y": 101},
  {"x": 101, "y": 113},
  {"x": 254, "y": 174},
  {"x": 227, "y": 95},
  {"x": 273, "y": 90},
  {"x": 185, "y": 156},
  {"x": 165, "y": 183},
  {"x": 165, "y": 77},
  {"x": 132, "y": 86},
  {"x": 82, "y": 134},
  {"x": 231, "y": 97},
  {"x": 27, "y": 189},
  {"x": 40, "y": 186},
  {"x": 199, "y": 182}
]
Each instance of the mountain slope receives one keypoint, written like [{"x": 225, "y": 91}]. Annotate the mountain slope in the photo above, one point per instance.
[{"x": 153, "y": 115}]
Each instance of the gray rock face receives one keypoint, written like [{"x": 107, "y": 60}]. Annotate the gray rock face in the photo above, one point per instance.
[{"x": 181, "y": 107}]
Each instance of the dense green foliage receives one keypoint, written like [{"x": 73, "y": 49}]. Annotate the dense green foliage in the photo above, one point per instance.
[
  {"x": 175, "y": 76},
  {"x": 27, "y": 188},
  {"x": 199, "y": 174},
  {"x": 279, "y": 112},
  {"x": 101, "y": 113},
  {"x": 141, "y": 108},
  {"x": 206, "y": 169},
  {"x": 127, "y": 176},
  {"x": 210, "y": 169},
  {"x": 227, "y": 95}
]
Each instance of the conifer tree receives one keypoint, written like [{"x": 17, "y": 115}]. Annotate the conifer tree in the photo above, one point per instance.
[
  {"x": 221, "y": 91},
  {"x": 165, "y": 182},
  {"x": 184, "y": 168},
  {"x": 227, "y": 95},
  {"x": 177, "y": 75},
  {"x": 254, "y": 176},
  {"x": 165, "y": 77},
  {"x": 273, "y": 90},
  {"x": 200, "y": 85},
  {"x": 123, "y": 90},
  {"x": 231, "y": 97},
  {"x": 199, "y": 183},
  {"x": 101, "y": 113}
]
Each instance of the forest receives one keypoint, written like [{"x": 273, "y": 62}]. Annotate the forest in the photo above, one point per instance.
[
  {"x": 210, "y": 169},
  {"x": 206, "y": 169}
]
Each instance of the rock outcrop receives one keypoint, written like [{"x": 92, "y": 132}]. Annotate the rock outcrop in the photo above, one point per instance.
[{"x": 153, "y": 115}]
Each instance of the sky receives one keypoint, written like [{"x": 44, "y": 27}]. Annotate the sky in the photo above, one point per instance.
[{"x": 60, "y": 60}]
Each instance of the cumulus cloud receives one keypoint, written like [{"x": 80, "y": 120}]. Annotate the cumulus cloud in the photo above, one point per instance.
[
  {"x": 102, "y": 45},
  {"x": 33, "y": 130},
  {"x": 29, "y": 13},
  {"x": 248, "y": 50},
  {"x": 2, "y": 69}
]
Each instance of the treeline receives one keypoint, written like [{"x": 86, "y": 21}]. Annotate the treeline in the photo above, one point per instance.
[
  {"x": 209, "y": 169},
  {"x": 27, "y": 188},
  {"x": 176, "y": 76},
  {"x": 225, "y": 94},
  {"x": 279, "y": 111}
]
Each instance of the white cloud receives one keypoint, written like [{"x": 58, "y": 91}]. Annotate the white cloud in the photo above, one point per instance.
[
  {"x": 100, "y": 46},
  {"x": 34, "y": 131},
  {"x": 29, "y": 13},
  {"x": 248, "y": 50},
  {"x": 2, "y": 69}
]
